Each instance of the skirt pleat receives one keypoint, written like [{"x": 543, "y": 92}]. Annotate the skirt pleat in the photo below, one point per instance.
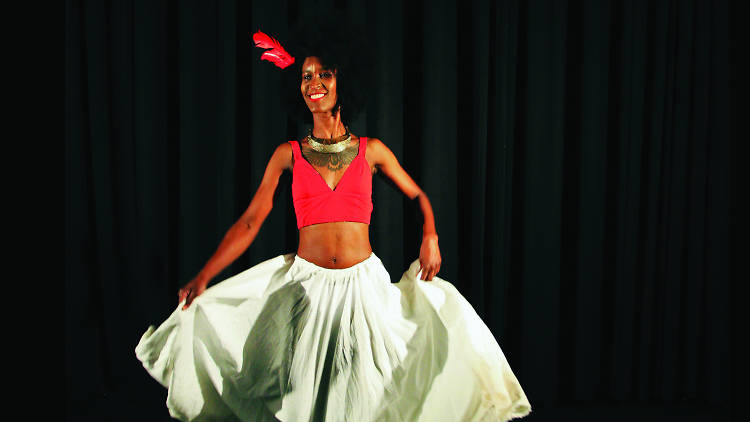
[{"x": 287, "y": 340}]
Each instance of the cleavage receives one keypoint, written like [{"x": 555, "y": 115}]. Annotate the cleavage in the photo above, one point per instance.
[{"x": 331, "y": 167}]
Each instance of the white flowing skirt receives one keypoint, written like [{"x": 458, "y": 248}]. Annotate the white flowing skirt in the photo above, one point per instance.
[{"x": 287, "y": 340}]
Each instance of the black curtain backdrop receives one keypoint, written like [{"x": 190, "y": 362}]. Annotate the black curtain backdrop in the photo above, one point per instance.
[{"x": 576, "y": 154}]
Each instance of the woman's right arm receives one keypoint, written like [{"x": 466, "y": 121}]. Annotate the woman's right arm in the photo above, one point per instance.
[{"x": 242, "y": 233}]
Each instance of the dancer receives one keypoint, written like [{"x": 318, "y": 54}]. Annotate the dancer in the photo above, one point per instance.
[{"x": 322, "y": 334}]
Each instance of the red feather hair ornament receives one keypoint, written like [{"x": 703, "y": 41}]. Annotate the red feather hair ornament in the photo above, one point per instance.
[{"x": 275, "y": 52}]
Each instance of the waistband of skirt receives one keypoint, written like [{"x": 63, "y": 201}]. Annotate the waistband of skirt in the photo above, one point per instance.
[{"x": 372, "y": 259}]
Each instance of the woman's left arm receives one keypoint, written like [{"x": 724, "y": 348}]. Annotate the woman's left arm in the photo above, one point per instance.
[{"x": 384, "y": 160}]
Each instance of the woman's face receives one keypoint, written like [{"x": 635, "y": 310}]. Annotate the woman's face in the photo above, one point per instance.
[{"x": 318, "y": 86}]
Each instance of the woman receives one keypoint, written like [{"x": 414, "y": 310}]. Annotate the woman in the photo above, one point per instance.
[{"x": 323, "y": 335}]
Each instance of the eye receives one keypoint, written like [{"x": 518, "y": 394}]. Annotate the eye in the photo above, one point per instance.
[
  {"x": 306, "y": 77},
  {"x": 326, "y": 75}
]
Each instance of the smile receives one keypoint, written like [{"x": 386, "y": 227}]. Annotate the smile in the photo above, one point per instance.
[{"x": 315, "y": 97}]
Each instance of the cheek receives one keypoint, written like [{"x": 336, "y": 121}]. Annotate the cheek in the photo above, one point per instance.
[{"x": 332, "y": 89}]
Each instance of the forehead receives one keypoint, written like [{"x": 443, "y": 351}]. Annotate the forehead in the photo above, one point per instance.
[{"x": 311, "y": 63}]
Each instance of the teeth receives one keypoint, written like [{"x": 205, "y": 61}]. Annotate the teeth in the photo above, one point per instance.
[{"x": 316, "y": 96}]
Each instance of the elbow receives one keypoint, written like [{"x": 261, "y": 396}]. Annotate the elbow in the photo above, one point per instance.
[
  {"x": 255, "y": 219},
  {"x": 419, "y": 195}
]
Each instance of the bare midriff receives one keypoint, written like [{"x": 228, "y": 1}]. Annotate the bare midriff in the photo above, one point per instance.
[{"x": 335, "y": 245}]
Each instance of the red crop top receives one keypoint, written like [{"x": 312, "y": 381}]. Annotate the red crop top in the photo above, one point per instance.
[{"x": 315, "y": 202}]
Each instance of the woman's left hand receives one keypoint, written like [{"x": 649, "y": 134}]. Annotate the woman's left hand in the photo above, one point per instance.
[{"x": 429, "y": 257}]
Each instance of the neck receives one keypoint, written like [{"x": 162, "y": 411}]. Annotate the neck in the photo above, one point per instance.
[{"x": 326, "y": 125}]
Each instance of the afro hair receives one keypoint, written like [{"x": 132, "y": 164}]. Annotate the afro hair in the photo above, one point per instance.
[{"x": 340, "y": 45}]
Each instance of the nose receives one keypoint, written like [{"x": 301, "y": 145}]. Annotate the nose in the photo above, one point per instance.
[{"x": 316, "y": 81}]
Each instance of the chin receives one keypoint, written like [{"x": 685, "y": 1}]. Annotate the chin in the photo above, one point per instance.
[{"x": 321, "y": 110}]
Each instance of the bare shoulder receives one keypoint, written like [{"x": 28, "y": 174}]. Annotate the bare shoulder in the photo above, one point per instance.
[
  {"x": 375, "y": 149},
  {"x": 378, "y": 152},
  {"x": 374, "y": 143},
  {"x": 282, "y": 157}
]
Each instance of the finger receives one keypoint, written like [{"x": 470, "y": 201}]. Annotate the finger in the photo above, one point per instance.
[{"x": 188, "y": 299}]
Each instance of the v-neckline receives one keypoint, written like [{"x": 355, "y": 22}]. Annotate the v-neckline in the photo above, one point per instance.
[{"x": 359, "y": 149}]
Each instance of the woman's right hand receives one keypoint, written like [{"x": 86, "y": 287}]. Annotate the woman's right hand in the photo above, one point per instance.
[{"x": 190, "y": 291}]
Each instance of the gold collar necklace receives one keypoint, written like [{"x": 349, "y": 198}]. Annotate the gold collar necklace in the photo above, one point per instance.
[{"x": 329, "y": 146}]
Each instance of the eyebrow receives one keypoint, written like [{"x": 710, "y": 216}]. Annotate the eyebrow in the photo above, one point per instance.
[{"x": 322, "y": 70}]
